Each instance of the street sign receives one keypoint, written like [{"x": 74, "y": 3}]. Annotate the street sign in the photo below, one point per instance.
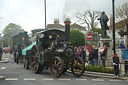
[{"x": 89, "y": 36}]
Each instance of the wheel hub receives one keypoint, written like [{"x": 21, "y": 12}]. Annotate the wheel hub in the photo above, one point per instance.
[{"x": 55, "y": 67}]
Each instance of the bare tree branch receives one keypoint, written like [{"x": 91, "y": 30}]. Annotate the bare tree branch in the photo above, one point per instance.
[
  {"x": 88, "y": 18},
  {"x": 122, "y": 12}
]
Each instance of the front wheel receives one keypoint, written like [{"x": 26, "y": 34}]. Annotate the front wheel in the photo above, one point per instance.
[
  {"x": 56, "y": 67},
  {"x": 36, "y": 67},
  {"x": 78, "y": 67}
]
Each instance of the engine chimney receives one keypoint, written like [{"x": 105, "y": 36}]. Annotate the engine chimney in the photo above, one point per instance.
[{"x": 67, "y": 29}]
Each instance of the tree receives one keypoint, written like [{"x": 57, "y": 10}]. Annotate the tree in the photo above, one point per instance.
[
  {"x": 122, "y": 12},
  {"x": 9, "y": 31},
  {"x": 89, "y": 18},
  {"x": 77, "y": 38}
]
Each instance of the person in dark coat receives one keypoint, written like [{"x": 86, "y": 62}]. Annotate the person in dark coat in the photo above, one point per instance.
[
  {"x": 1, "y": 52},
  {"x": 104, "y": 56},
  {"x": 83, "y": 54},
  {"x": 90, "y": 57},
  {"x": 95, "y": 56},
  {"x": 116, "y": 65},
  {"x": 126, "y": 68}
]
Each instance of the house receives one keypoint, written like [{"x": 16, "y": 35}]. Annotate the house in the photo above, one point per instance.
[
  {"x": 56, "y": 25},
  {"x": 78, "y": 27}
]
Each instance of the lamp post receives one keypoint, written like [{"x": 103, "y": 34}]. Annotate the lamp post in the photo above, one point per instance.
[
  {"x": 113, "y": 9},
  {"x": 45, "y": 13}
]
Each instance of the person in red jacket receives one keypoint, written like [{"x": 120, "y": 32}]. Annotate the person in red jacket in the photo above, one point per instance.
[{"x": 7, "y": 50}]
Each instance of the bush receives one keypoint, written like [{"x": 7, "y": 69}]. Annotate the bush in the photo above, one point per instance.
[
  {"x": 77, "y": 38},
  {"x": 99, "y": 68}
]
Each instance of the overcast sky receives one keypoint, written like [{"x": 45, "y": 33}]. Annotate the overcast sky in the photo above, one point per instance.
[{"x": 29, "y": 14}]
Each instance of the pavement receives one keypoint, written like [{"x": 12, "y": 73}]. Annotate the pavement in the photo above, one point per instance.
[
  {"x": 97, "y": 75},
  {"x": 103, "y": 75},
  {"x": 4, "y": 60}
]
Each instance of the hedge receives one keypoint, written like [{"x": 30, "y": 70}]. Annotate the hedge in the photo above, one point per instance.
[{"x": 99, "y": 68}]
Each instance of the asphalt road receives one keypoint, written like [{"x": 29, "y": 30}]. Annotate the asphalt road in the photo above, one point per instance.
[{"x": 15, "y": 74}]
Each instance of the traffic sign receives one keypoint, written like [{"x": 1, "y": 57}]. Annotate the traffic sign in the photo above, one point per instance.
[{"x": 89, "y": 36}]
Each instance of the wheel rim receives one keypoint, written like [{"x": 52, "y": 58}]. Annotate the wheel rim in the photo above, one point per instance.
[
  {"x": 78, "y": 67},
  {"x": 34, "y": 59},
  {"x": 56, "y": 67}
]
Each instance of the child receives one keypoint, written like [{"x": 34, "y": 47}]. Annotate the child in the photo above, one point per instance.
[
  {"x": 101, "y": 50},
  {"x": 116, "y": 65}
]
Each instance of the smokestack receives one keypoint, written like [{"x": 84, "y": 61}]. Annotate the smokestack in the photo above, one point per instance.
[{"x": 67, "y": 29}]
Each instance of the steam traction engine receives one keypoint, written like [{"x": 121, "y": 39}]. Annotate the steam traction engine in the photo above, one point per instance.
[
  {"x": 20, "y": 41},
  {"x": 54, "y": 51}
]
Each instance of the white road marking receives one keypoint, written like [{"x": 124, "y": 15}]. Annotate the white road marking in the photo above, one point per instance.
[
  {"x": 64, "y": 79},
  {"x": 29, "y": 78},
  {"x": 114, "y": 80},
  {"x": 11, "y": 79},
  {"x": 3, "y": 68},
  {"x": 81, "y": 79},
  {"x": 97, "y": 79},
  {"x": 47, "y": 79}
]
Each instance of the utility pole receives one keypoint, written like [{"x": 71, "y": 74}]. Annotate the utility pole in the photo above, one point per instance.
[
  {"x": 1, "y": 42},
  {"x": 113, "y": 9},
  {"x": 45, "y": 13}
]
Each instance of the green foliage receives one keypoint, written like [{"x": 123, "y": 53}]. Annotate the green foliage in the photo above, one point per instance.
[
  {"x": 77, "y": 38},
  {"x": 9, "y": 31},
  {"x": 99, "y": 68},
  {"x": 99, "y": 30}
]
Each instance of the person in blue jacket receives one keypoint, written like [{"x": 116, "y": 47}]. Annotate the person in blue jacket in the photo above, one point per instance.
[{"x": 121, "y": 46}]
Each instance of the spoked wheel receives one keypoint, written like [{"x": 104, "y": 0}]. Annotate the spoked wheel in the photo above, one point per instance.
[
  {"x": 56, "y": 67},
  {"x": 36, "y": 67},
  {"x": 78, "y": 67}
]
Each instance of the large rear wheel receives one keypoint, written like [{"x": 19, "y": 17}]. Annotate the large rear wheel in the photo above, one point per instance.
[
  {"x": 36, "y": 67},
  {"x": 56, "y": 67},
  {"x": 78, "y": 67}
]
